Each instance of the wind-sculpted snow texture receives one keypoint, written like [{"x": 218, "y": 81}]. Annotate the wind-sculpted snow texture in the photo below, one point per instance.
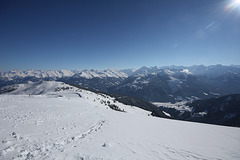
[{"x": 70, "y": 123}]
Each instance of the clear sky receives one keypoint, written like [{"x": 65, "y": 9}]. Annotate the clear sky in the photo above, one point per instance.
[{"x": 99, "y": 34}]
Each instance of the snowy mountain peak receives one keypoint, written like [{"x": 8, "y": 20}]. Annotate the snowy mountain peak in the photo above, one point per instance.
[
  {"x": 54, "y": 74},
  {"x": 186, "y": 71},
  {"x": 89, "y": 74},
  {"x": 39, "y": 88},
  {"x": 168, "y": 72},
  {"x": 14, "y": 74}
]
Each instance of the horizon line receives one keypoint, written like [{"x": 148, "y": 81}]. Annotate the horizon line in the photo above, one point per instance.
[{"x": 164, "y": 66}]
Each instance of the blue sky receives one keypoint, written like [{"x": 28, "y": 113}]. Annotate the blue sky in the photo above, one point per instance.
[{"x": 99, "y": 34}]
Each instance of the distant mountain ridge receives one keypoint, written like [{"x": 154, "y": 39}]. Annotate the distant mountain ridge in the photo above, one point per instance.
[
  {"x": 176, "y": 83},
  {"x": 213, "y": 70},
  {"x": 155, "y": 84},
  {"x": 14, "y": 74}
]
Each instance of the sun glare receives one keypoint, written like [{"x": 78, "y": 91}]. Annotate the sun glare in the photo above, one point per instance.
[
  {"x": 236, "y": 3},
  {"x": 233, "y": 4}
]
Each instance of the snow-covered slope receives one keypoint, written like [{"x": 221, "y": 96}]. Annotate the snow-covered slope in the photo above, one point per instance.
[
  {"x": 69, "y": 123},
  {"x": 60, "y": 89},
  {"x": 40, "y": 87}
]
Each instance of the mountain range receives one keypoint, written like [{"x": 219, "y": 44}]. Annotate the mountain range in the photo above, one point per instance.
[{"x": 155, "y": 84}]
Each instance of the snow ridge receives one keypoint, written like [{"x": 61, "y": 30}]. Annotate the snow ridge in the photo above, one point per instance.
[
  {"x": 54, "y": 74},
  {"x": 89, "y": 74}
]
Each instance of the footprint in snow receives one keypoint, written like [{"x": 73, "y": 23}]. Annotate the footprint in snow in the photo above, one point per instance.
[{"x": 106, "y": 145}]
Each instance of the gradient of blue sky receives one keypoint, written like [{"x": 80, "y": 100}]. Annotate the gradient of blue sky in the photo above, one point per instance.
[{"x": 98, "y": 34}]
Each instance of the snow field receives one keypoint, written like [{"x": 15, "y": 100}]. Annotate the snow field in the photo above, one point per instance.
[{"x": 77, "y": 124}]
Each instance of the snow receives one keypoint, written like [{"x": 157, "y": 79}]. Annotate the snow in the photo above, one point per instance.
[
  {"x": 41, "y": 87},
  {"x": 89, "y": 74},
  {"x": 186, "y": 71},
  {"x": 200, "y": 114},
  {"x": 62, "y": 73},
  {"x": 138, "y": 80},
  {"x": 180, "y": 106},
  {"x": 167, "y": 114},
  {"x": 168, "y": 72},
  {"x": 215, "y": 94},
  {"x": 69, "y": 124},
  {"x": 36, "y": 73}
]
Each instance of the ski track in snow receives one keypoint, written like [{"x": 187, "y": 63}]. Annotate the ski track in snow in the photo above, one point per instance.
[{"x": 76, "y": 125}]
